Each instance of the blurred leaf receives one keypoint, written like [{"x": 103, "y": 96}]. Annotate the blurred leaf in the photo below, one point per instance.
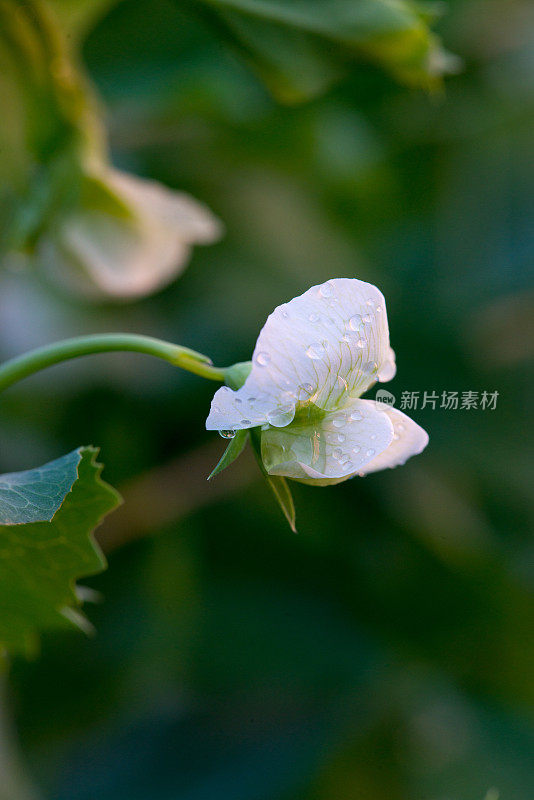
[
  {"x": 78, "y": 16},
  {"x": 41, "y": 560},
  {"x": 301, "y": 47},
  {"x": 63, "y": 208},
  {"x": 233, "y": 451}
]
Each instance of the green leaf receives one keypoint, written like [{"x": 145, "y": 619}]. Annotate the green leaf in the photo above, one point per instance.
[
  {"x": 301, "y": 46},
  {"x": 40, "y": 561},
  {"x": 279, "y": 485},
  {"x": 36, "y": 495},
  {"x": 233, "y": 451}
]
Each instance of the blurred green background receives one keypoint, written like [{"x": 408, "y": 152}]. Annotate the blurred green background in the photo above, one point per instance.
[{"x": 387, "y": 651}]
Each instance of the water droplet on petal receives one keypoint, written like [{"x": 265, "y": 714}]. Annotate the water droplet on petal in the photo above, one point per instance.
[
  {"x": 396, "y": 437},
  {"x": 355, "y": 416},
  {"x": 356, "y": 449},
  {"x": 369, "y": 302},
  {"x": 360, "y": 343},
  {"x": 227, "y": 434},
  {"x": 326, "y": 290},
  {"x": 341, "y": 437},
  {"x": 246, "y": 422},
  {"x": 281, "y": 416},
  {"x": 370, "y": 367},
  {"x": 238, "y": 401},
  {"x": 347, "y": 465},
  {"x": 338, "y": 453},
  {"x": 400, "y": 426},
  {"x": 251, "y": 399},
  {"x": 315, "y": 351},
  {"x": 378, "y": 309},
  {"x": 338, "y": 422},
  {"x": 313, "y": 317},
  {"x": 355, "y": 322},
  {"x": 366, "y": 319},
  {"x": 370, "y": 452},
  {"x": 262, "y": 359},
  {"x": 307, "y": 387}
]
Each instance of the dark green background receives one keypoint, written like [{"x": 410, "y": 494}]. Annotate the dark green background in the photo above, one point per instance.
[{"x": 387, "y": 651}]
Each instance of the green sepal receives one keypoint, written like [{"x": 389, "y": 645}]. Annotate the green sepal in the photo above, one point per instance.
[
  {"x": 236, "y": 445},
  {"x": 279, "y": 486},
  {"x": 236, "y": 375}
]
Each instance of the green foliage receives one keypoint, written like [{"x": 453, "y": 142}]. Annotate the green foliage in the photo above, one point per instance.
[
  {"x": 36, "y": 495},
  {"x": 301, "y": 47},
  {"x": 278, "y": 485},
  {"x": 233, "y": 451},
  {"x": 48, "y": 516}
]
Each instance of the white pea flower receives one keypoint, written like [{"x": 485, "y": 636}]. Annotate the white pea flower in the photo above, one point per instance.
[
  {"x": 126, "y": 238},
  {"x": 314, "y": 358}
]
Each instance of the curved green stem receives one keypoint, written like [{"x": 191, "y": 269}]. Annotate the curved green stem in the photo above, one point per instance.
[{"x": 22, "y": 367}]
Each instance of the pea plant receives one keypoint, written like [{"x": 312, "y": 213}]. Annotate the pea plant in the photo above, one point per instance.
[{"x": 70, "y": 217}]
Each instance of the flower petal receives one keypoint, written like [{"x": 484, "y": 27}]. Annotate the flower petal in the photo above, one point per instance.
[
  {"x": 409, "y": 439},
  {"x": 128, "y": 238},
  {"x": 326, "y": 346},
  {"x": 327, "y": 447}
]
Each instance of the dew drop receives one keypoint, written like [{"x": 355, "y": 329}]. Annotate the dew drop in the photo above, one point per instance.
[
  {"x": 326, "y": 290},
  {"x": 313, "y": 317},
  {"x": 366, "y": 319},
  {"x": 315, "y": 351},
  {"x": 356, "y": 449},
  {"x": 369, "y": 302},
  {"x": 238, "y": 401},
  {"x": 370, "y": 367},
  {"x": 251, "y": 399},
  {"x": 246, "y": 422},
  {"x": 396, "y": 437},
  {"x": 378, "y": 309},
  {"x": 356, "y": 416},
  {"x": 360, "y": 343},
  {"x": 262, "y": 359},
  {"x": 227, "y": 434},
  {"x": 307, "y": 387},
  {"x": 281, "y": 416},
  {"x": 338, "y": 454},
  {"x": 355, "y": 322},
  {"x": 347, "y": 465},
  {"x": 370, "y": 452},
  {"x": 341, "y": 437},
  {"x": 338, "y": 422}
]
